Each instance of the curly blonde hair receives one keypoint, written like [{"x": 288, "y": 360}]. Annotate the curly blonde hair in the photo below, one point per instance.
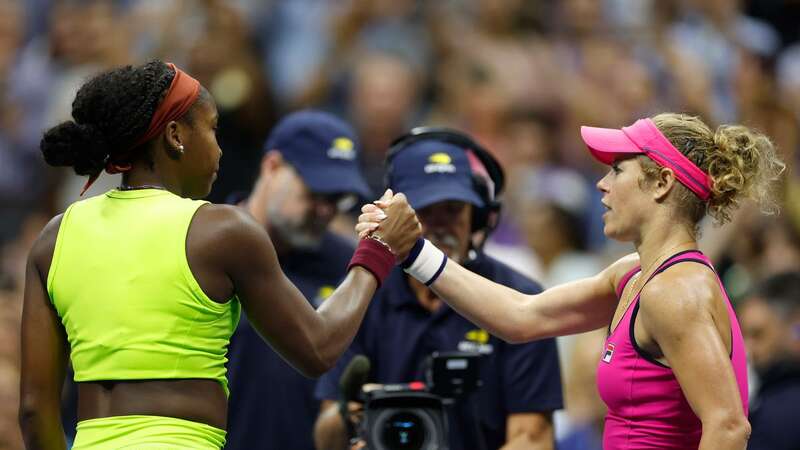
[{"x": 741, "y": 162}]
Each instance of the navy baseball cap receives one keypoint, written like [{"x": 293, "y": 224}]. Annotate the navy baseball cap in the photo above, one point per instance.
[
  {"x": 324, "y": 151},
  {"x": 431, "y": 171}
]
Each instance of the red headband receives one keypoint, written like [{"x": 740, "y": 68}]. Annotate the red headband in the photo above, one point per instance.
[{"x": 181, "y": 95}]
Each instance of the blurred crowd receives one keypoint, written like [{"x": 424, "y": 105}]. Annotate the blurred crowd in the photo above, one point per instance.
[{"x": 520, "y": 76}]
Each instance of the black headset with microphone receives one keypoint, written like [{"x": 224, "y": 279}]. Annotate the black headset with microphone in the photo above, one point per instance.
[{"x": 488, "y": 178}]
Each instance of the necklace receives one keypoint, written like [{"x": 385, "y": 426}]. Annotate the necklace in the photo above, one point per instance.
[
  {"x": 125, "y": 187},
  {"x": 641, "y": 279}
]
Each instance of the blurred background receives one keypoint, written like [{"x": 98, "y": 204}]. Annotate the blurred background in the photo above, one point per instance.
[{"x": 519, "y": 75}]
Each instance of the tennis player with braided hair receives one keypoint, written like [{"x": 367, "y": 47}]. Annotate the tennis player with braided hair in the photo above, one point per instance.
[
  {"x": 141, "y": 287},
  {"x": 672, "y": 371}
]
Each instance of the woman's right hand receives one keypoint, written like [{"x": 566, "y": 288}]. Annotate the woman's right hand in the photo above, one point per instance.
[{"x": 391, "y": 220}]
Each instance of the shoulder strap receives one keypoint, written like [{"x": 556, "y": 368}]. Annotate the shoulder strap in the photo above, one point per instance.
[
  {"x": 625, "y": 279},
  {"x": 686, "y": 255}
]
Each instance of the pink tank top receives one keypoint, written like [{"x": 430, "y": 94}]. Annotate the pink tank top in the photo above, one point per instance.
[{"x": 646, "y": 407}]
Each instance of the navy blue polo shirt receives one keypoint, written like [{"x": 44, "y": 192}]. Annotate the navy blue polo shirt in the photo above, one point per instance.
[
  {"x": 398, "y": 334},
  {"x": 774, "y": 411},
  {"x": 272, "y": 406}
]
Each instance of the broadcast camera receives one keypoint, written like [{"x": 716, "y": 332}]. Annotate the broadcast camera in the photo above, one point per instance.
[{"x": 410, "y": 416}]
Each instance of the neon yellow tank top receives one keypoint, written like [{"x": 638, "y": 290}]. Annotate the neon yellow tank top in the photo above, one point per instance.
[{"x": 121, "y": 283}]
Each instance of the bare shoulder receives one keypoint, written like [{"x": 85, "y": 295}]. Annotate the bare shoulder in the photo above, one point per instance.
[
  {"x": 50, "y": 230},
  {"x": 626, "y": 263},
  {"x": 226, "y": 233},
  {"x": 41, "y": 253},
  {"x": 620, "y": 267},
  {"x": 222, "y": 216},
  {"x": 218, "y": 223},
  {"x": 680, "y": 295}
]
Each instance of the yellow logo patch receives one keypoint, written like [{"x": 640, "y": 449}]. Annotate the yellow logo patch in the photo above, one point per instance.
[
  {"x": 476, "y": 341},
  {"x": 440, "y": 158},
  {"x": 479, "y": 336},
  {"x": 342, "y": 148},
  {"x": 440, "y": 163},
  {"x": 343, "y": 144}
]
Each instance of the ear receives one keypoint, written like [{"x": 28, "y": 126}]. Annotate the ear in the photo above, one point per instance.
[
  {"x": 175, "y": 137},
  {"x": 271, "y": 162},
  {"x": 663, "y": 184}
]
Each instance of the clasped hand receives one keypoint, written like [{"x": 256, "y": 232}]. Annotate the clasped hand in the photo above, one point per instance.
[{"x": 391, "y": 221}]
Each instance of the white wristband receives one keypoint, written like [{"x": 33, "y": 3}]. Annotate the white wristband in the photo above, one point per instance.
[{"x": 428, "y": 264}]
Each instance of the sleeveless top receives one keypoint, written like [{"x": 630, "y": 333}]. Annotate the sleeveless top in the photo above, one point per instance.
[
  {"x": 646, "y": 406},
  {"x": 121, "y": 284}
]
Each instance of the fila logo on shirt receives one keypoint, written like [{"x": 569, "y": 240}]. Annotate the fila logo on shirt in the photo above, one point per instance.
[{"x": 609, "y": 353}]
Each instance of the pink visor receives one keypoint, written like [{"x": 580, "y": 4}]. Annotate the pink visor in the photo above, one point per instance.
[{"x": 644, "y": 138}]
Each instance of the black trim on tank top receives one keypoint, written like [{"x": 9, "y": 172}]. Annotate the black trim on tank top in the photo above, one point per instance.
[
  {"x": 672, "y": 263},
  {"x": 639, "y": 350},
  {"x": 608, "y": 330},
  {"x": 643, "y": 353},
  {"x": 683, "y": 252}
]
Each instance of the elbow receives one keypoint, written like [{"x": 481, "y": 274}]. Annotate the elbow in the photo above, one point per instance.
[
  {"x": 315, "y": 369},
  {"x": 26, "y": 417},
  {"x": 514, "y": 335},
  {"x": 29, "y": 415},
  {"x": 317, "y": 365},
  {"x": 318, "y": 358},
  {"x": 735, "y": 427},
  {"x": 39, "y": 418},
  {"x": 322, "y": 368},
  {"x": 519, "y": 333},
  {"x": 739, "y": 429},
  {"x": 518, "y": 330}
]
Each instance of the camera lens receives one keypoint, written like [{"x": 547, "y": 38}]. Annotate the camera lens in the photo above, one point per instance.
[{"x": 403, "y": 431}]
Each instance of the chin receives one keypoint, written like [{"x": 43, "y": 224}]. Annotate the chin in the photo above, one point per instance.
[
  {"x": 612, "y": 233},
  {"x": 200, "y": 194},
  {"x": 617, "y": 235},
  {"x": 207, "y": 189}
]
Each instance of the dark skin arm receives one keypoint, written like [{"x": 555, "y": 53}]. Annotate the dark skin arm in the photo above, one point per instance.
[
  {"x": 44, "y": 354},
  {"x": 229, "y": 252}
]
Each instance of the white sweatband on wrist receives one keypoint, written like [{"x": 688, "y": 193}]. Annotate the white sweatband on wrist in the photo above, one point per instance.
[{"x": 428, "y": 264}]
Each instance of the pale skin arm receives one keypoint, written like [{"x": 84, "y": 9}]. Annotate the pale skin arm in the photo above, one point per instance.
[
  {"x": 677, "y": 312},
  {"x": 570, "y": 308},
  {"x": 529, "y": 431}
]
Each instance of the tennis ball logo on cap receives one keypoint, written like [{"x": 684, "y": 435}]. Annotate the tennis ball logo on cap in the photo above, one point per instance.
[
  {"x": 342, "y": 148},
  {"x": 476, "y": 341},
  {"x": 440, "y": 163}
]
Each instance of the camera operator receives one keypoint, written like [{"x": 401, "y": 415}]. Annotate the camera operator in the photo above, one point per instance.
[
  {"x": 309, "y": 166},
  {"x": 452, "y": 184}
]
